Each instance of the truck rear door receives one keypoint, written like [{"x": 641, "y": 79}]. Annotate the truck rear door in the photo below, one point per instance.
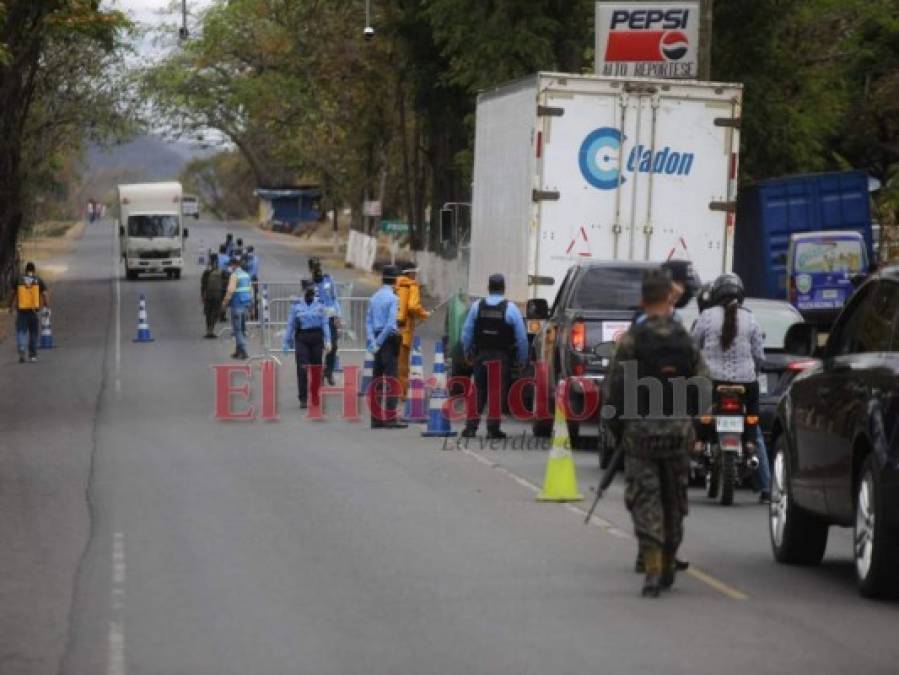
[{"x": 637, "y": 171}]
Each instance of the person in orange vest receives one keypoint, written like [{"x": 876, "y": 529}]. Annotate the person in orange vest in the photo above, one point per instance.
[
  {"x": 409, "y": 313},
  {"x": 31, "y": 295}
]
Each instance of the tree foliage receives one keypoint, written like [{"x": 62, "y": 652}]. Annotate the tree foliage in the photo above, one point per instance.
[
  {"x": 298, "y": 91},
  {"x": 59, "y": 87}
]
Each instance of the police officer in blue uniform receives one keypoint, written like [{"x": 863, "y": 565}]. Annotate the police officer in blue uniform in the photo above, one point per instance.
[
  {"x": 494, "y": 331},
  {"x": 238, "y": 297},
  {"x": 326, "y": 292},
  {"x": 383, "y": 341},
  {"x": 308, "y": 332}
]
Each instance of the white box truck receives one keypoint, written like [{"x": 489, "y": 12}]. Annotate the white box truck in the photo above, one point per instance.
[
  {"x": 575, "y": 167},
  {"x": 151, "y": 231}
]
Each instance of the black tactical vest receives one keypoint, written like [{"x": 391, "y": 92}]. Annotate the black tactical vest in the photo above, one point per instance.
[
  {"x": 664, "y": 353},
  {"x": 491, "y": 332}
]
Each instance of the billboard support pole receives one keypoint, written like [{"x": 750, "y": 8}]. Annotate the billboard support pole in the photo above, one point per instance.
[{"x": 705, "y": 40}]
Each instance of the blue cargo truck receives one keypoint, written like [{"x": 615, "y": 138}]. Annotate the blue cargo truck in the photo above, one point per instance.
[{"x": 771, "y": 212}]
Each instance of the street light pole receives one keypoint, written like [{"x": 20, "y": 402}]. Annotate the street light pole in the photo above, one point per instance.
[{"x": 183, "y": 33}]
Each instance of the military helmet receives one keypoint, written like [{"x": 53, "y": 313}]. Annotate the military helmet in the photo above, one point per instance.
[{"x": 727, "y": 287}]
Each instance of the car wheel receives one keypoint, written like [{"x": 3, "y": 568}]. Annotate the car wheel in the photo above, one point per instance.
[
  {"x": 797, "y": 537},
  {"x": 728, "y": 477},
  {"x": 876, "y": 549}
]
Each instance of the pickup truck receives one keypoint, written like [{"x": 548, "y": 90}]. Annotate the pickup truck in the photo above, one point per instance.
[{"x": 595, "y": 304}]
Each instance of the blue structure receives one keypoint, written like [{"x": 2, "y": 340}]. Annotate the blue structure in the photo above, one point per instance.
[
  {"x": 771, "y": 210},
  {"x": 290, "y": 206}
]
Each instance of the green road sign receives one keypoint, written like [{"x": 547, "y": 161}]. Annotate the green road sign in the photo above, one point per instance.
[{"x": 394, "y": 227}]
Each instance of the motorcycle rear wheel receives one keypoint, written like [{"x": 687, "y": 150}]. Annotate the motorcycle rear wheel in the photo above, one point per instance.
[{"x": 728, "y": 472}]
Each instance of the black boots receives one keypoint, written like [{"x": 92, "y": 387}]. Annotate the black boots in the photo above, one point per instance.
[{"x": 652, "y": 585}]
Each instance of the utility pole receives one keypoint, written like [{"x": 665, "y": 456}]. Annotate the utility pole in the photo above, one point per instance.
[{"x": 705, "y": 39}]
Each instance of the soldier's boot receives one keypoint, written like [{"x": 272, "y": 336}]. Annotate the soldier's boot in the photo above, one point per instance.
[
  {"x": 669, "y": 569},
  {"x": 679, "y": 565},
  {"x": 652, "y": 585}
]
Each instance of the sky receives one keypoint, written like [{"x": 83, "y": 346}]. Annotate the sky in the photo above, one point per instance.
[{"x": 154, "y": 14}]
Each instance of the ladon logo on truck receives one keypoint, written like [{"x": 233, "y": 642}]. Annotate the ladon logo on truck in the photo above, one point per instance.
[
  {"x": 648, "y": 35},
  {"x": 599, "y": 159}
]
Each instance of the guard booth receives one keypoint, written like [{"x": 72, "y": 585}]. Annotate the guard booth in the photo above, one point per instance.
[{"x": 289, "y": 209}]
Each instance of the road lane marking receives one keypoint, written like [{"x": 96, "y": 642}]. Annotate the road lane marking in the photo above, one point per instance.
[
  {"x": 118, "y": 315},
  {"x": 610, "y": 528},
  {"x": 115, "y": 660}
]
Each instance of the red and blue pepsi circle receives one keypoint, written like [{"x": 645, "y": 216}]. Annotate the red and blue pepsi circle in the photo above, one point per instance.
[{"x": 674, "y": 45}]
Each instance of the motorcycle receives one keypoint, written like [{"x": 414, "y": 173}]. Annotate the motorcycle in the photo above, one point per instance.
[{"x": 726, "y": 461}]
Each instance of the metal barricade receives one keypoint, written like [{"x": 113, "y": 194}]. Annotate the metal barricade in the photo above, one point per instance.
[
  {"x": 285, "y": 290},
  {"x": 276, "y": 311}
]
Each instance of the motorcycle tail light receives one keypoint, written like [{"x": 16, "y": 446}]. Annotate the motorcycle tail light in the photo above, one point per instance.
[
  {"x": 730, "y": 442},
  {"x": 578, "y": 336},
  {"x": 730, "y": 405}
]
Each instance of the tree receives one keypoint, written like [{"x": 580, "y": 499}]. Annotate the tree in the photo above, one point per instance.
[{"x": 53, "y": 53}]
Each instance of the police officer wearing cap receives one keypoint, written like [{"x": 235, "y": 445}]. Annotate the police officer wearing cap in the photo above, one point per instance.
[
  {"x": 308, "y": 332},
  {"x": 494, "y": 331},
  {"x": 383, "y": 341}
]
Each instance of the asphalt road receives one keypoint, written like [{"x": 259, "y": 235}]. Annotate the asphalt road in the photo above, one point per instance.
[{"x": 141, "y": 535}]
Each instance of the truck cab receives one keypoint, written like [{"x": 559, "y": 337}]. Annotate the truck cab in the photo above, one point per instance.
[{"x": 151, "y": 231}]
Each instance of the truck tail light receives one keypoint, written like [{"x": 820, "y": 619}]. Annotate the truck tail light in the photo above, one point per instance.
[
  {"x": 578, "y": 336},
  {"x": 730, "y": 404}
]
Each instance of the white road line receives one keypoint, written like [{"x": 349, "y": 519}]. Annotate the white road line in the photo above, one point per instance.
[
  {"x": 610, "y": 528},
  {"x": 115, "y": 662},
  {"x": 118, "y": 315}
]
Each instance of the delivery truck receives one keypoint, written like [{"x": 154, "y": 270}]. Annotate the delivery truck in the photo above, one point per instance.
[
  {"x": 771, "y": 212},
  {"x": 151, "y": 231},
  {"x": 569, "y": 168}
]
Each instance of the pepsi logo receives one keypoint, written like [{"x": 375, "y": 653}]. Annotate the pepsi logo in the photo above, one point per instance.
[{"x": 674, "y": 45}]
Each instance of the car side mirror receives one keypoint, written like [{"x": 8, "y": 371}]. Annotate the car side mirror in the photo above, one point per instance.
[
  {"x": 801, "y": 339},
  {"x": 538, "y": 309},
  {"x": 121, "y": 230},
  {"x": 186, "y": 233}
]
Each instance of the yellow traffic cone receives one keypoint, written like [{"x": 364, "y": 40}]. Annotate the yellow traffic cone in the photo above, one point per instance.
[{"x": 560, "y": 480}]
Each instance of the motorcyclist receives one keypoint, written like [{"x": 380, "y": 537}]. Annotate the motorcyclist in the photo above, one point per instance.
[{"x": 732, "y": 344}]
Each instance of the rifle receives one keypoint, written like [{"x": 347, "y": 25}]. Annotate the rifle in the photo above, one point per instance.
[{"x": 615, "y": 465}]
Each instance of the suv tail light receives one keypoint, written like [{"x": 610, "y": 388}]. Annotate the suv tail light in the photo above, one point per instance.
[{"x": 578, "y": 336}]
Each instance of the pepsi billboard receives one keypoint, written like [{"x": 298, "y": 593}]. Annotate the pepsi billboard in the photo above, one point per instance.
[{"x": 648, "y": 39}]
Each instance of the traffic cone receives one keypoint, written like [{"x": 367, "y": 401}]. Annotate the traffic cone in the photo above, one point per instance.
[
  {"x": 415, "y": 411},
  {"x": 46, "y": 341},
  {"x": 368, "y": 371},
  {"x": 143, "y": 327},
  {"x": 438, "y": 419},
  {"x": 560, "y": 480}
]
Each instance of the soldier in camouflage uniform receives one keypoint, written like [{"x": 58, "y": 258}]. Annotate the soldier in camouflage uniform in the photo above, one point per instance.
[{"x": 653, "y": 421}]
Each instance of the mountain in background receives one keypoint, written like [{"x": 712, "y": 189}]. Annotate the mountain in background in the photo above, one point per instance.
[{"x": 145, "y": 158}]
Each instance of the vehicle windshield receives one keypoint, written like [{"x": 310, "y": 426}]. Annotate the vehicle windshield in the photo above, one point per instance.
[
  {"x": 775, "y": 320},
  {"x": 829, "y": 255},
  {"x": 152, "y": 226},
  {"x": 609, "y": 288}
]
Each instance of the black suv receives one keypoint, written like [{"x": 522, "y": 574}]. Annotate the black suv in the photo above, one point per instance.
[
  {"x": 836, "y": 433},
  {"x": 595, "y": 303}
]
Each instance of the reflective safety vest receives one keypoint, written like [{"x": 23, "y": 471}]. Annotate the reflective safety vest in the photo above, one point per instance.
[
  {"x": 243, "y": 294},
  {"x": 28, "y": 293}
]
